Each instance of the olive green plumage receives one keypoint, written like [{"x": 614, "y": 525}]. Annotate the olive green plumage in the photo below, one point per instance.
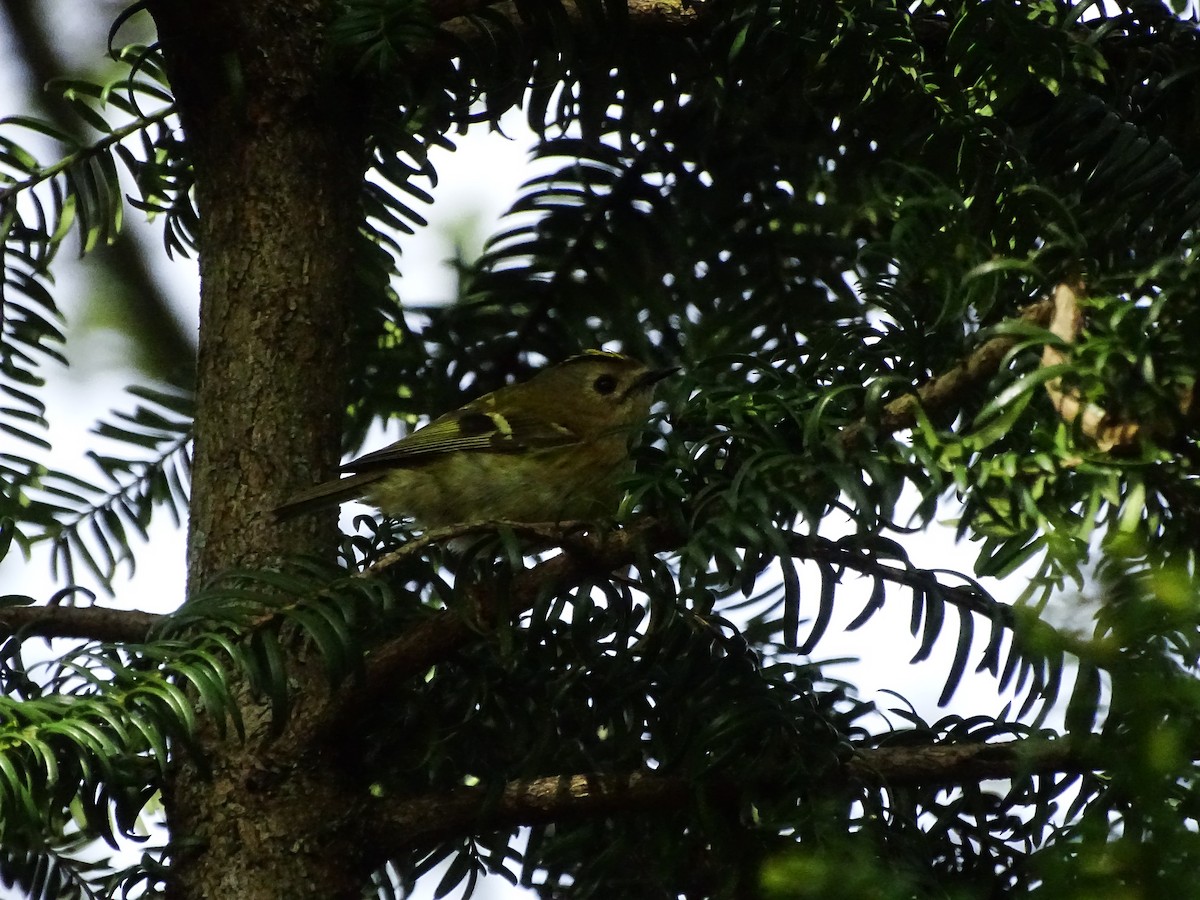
[{"x": 548, "y": 449}]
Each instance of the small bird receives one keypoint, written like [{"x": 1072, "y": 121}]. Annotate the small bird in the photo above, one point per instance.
[{"x": 549, "y": 449}]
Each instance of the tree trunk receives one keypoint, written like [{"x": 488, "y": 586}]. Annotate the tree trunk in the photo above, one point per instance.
[{"x": 277, "y": 152}]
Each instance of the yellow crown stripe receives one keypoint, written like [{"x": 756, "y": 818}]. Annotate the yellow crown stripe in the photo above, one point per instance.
[{"x": 596, "y": 354}]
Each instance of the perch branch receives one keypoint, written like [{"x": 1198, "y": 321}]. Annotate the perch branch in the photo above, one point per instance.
[{"x": 433, "y": 640}]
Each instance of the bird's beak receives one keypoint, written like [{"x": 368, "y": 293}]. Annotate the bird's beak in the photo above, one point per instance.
[{"x": 651, "y": 378}]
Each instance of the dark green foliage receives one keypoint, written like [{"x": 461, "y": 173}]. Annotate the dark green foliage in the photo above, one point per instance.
[
  {"x": 87, "y": 737},
  {"x": 90, "y": 526},
  {"x": 40, "y": 207},
  {"x": 815, "y": 208}
]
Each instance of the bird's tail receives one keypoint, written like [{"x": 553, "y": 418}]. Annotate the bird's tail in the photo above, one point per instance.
[{"x": 327, "y": 493}]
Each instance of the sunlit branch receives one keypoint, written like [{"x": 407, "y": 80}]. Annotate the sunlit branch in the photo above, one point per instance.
[
  {"x": 1092, "y": 420},
  {"x": 943, "y": 391},
  {"x": 559, "y": 798}
]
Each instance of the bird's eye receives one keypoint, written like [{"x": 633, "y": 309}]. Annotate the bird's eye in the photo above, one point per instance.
[{"x": 604, "y": 384}]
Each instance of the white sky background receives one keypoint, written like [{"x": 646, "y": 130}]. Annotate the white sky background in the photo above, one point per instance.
[{"x": 476, "y": 184}]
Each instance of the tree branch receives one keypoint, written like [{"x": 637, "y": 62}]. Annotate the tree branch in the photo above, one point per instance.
[
  {"x": 396, "y": 824},
  {"x": 950, "y": 764},
  {"x": 93, "y": 623},
  {"x": 942, "y": 391},
  {"x": 455, "y": 15},
  {"x": 556, "y": 798},
  {"x": 433, "y": 640},
  {"x": 461, "y": 27},
  {"x": 1107, "y": 431}
]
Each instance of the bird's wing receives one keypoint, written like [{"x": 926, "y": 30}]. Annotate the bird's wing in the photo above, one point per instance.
[{"x": 464, "y": 430}]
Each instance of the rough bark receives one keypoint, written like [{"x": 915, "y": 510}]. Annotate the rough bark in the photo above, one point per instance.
[
  {"x": 277, "y": 154},
  {"x": 278, "y": 160}
]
